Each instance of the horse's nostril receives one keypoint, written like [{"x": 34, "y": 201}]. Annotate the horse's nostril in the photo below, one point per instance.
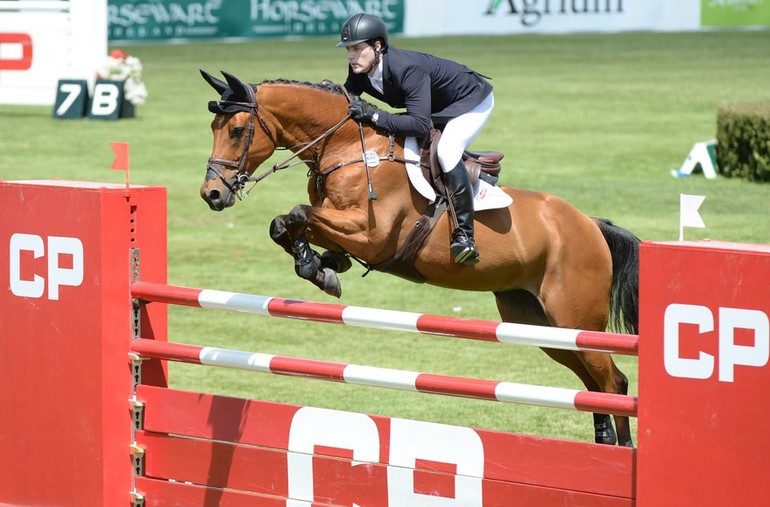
[{"x": 214, "y": 196}]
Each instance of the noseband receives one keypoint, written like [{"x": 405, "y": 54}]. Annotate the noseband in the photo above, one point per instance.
[{"x": 215, "y": 166}]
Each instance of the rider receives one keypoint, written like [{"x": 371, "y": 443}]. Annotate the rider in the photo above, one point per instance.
[{"x": 434, "y": 91}]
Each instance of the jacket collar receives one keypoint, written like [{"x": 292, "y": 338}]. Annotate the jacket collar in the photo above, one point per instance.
[{"x": 377, "y": 77}]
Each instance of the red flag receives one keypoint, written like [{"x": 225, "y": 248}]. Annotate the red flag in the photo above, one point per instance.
[
  {"x": 121, "y": 159},
  {"x": 121, "y": 156}
]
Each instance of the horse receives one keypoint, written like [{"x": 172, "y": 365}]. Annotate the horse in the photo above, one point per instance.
[{"x": 546, "y": 263}]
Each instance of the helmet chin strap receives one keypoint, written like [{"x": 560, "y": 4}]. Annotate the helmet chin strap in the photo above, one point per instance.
[{"x": 377, "y": 54}]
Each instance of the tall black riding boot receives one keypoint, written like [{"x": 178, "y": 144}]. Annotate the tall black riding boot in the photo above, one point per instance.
[{"x": 462, "y": 248}]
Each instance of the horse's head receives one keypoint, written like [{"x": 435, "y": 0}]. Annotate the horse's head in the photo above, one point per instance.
[{"x": 239, "y": 146}]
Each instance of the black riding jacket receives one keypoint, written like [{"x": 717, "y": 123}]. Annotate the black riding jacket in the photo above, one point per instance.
[{"x": 432, "y": 90}]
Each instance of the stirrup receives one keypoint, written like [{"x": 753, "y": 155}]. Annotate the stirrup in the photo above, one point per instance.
[
  {"x": 469, "y": 256},
  {"x": 462, "y": 250}
]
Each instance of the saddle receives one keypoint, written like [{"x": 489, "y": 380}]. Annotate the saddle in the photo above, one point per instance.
[{"x": 479, "y": 164}]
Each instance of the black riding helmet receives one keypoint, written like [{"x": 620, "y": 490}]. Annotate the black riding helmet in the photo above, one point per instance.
[{"x": 362, "y": 28}]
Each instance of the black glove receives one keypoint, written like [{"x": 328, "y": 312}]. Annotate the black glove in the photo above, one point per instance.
[{"x": 361, "y": 111}]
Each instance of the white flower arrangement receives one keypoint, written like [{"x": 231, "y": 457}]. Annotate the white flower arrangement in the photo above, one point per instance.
[{"x": 120, "y": 66}]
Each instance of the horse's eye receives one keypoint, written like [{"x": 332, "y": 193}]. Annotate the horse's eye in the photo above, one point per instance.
[{"x": 236, "y": 132}]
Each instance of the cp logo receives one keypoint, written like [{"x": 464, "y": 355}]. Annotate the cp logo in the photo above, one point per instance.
[
  {"x": 64, "y": 258},
  {"x": 730, "y": 353}
]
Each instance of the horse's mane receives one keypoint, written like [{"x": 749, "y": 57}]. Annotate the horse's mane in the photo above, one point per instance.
[{"x": 325, "y": 85}]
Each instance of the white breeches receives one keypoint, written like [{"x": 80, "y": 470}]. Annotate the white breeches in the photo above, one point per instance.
[{"x": 460, "y": 132}]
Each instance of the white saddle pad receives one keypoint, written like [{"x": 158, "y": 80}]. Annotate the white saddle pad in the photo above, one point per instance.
[{"x": 485, "y": 196}]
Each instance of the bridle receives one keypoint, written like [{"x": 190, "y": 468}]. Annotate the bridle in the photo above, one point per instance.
[
  {"x": 243, "y": 177},
  {"x": 215, "y": 166}
]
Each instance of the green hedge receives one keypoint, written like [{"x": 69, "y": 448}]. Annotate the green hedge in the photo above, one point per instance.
[{"x": 743, "y": 141}]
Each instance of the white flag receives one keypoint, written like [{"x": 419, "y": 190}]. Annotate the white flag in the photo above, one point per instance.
[{"x": 688, "y": 212}]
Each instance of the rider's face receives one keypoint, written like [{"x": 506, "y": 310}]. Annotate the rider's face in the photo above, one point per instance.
[{"x": 361, "y": 57}]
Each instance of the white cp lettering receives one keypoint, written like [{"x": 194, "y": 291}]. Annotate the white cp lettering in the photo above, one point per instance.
[
  {"x": 409, "y": 441},
  {"x": 57, "y": 275},
  {"x": 731, "y": 354}
]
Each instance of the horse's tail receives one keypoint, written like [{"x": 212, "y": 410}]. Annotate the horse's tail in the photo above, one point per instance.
[{"x": 624, "y": 295}]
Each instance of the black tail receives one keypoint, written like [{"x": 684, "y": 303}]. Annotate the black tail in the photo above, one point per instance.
[{"x": 624, "y": 296}]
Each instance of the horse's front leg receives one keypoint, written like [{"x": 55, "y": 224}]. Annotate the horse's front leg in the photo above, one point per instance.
[
  {"x": 288, "y": 231},
  {"x": 289, "y": 234},
  {"x": 279, "y": 233}
]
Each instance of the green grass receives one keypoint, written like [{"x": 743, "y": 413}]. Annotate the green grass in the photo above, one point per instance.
[{"x": 597, "y": 119}]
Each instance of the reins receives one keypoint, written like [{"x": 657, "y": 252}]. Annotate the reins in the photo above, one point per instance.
[
  {"x": 285, "y": 164},
  {"x": 243, "y": 178}
]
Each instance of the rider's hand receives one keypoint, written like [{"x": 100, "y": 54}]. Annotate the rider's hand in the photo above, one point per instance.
[{"x": 362, "y": 111}]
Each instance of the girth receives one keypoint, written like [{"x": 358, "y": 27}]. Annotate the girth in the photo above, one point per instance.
[{"x": 402, "y": 263}]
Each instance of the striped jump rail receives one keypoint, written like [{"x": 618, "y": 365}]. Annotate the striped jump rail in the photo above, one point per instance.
[
  {"x": 374, "y": 318},
  {"x": 509, "y": 392}
]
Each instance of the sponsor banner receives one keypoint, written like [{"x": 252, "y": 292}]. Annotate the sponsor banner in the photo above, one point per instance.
[
  {"x": 735, "y": 12},
  {"x": 151, "y": 20},
  {"x": 143, "y": 20},
  {"x": 549, "y": 16}
]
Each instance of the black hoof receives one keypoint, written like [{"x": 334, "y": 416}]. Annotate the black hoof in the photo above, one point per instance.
[{"x": 331, "y": 282}]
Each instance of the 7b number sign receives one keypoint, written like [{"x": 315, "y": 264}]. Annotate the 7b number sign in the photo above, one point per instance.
[{"x": 107, "y": 103}]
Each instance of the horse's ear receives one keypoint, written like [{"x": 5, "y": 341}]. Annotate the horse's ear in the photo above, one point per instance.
[
  {"x": 218, "y": 85},
  {"x": 244, "y": 91},
  {"x": 234, "y": 82}
]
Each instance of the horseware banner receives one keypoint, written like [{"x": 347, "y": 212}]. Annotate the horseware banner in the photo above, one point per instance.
[{"x": 132, "y": 20}]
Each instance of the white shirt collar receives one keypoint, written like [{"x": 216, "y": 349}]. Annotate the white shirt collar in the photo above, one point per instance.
[{"x": 376, "y": 79}]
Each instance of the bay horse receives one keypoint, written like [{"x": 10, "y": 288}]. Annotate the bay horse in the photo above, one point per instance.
[{"x": 545, "y": 262}]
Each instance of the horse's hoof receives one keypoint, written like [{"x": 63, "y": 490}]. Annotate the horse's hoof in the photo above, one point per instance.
[
  {"x": 336, "y": 261},
  {"x": 331, "y": 283},
  {"x": 604, "y": 432}
]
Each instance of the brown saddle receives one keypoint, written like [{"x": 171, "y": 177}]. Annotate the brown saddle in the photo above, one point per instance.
[{"x": 479, "y": 164}]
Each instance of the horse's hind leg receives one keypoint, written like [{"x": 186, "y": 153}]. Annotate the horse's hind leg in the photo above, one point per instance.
[
  {"x": 586, "y": 365},
  {"x": 588, "y": 311},
  {"x": 603, "y": 370},
  {"x": 521, "y": 306}
]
